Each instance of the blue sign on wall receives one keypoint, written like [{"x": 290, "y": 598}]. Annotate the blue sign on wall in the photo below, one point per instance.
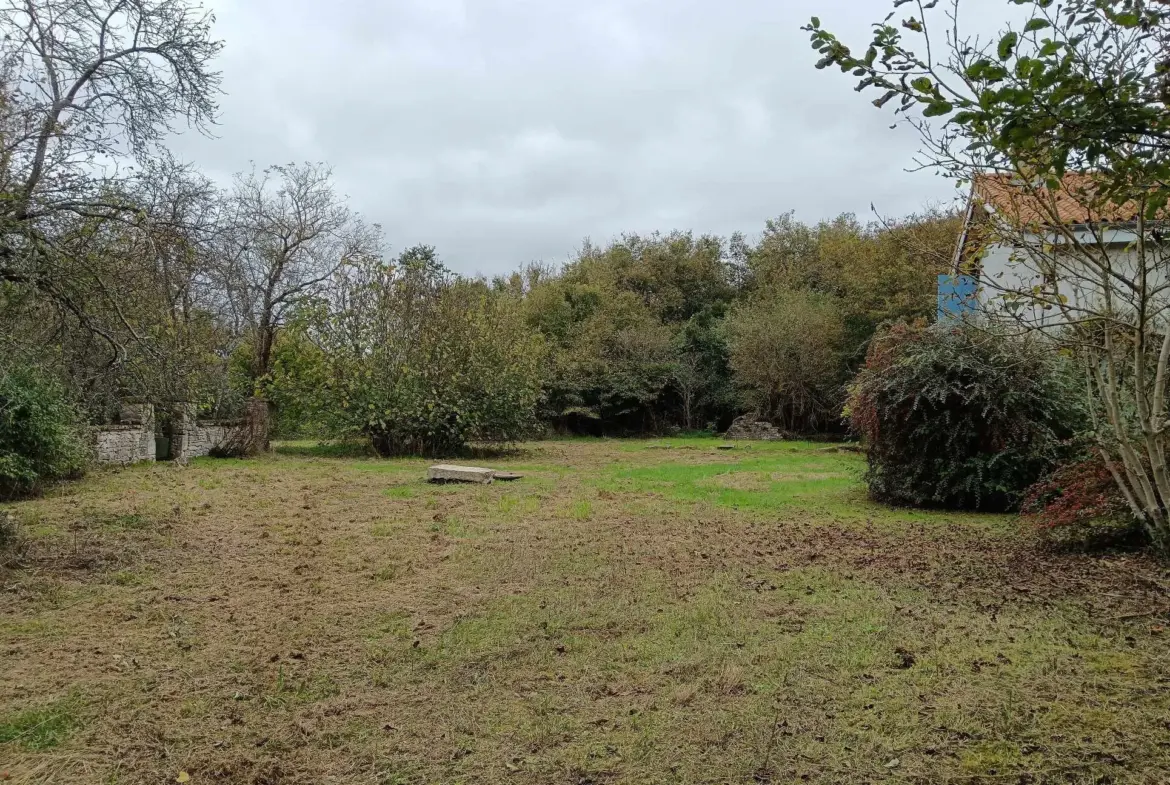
[{"x": 956, "y": 297}]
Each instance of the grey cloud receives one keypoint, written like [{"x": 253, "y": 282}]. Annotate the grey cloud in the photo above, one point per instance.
[{"x": 504, "y": 131}]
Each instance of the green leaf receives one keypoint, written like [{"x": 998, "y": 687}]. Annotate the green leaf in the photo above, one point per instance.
[
  {"x": 1036, "y": 24},
  {"x": 1007, "y": 45},
  {"x": 997, "y": 73},
  {"x": 1015, "y": 96},
  {"x": 977, "y": 68},
  {"x": 922, "y": 84},
  {"x": 816, "y": 22},
  {"x": 937, "y": 109}
]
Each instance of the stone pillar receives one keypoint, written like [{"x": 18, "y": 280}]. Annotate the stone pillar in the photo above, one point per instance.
[
  {"x": 142, "y": 415},
  {"x": 183, "y": 431}
]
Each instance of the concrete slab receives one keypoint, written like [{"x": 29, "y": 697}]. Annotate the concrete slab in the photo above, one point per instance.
[{"x": 446, "y": 472}]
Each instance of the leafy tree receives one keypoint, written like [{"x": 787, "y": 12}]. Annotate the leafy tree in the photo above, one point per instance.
[
  {"x": 1072, "y": 86},
  {"x": 616, "y": 364},
  {"x": 786, "y": 352},
  {"x": 702, "y": 373},
  {"x": 675, "y": 275},
  {"x": 788, "y": 256},
  {"x": 881, "y": 272},
  {"x": 297, "y": 382},
  {"x": 417, "y": 361},
  {"x": 634, "y": 333}
]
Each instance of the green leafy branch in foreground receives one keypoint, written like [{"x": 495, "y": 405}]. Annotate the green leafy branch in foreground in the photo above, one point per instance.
[{"x": 1076, "y": 85}]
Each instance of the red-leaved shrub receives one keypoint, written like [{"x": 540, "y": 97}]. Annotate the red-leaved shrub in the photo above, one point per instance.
[{"x": 1076, "y": 494}]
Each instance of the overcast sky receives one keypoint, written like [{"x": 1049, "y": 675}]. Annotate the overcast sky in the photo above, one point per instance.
[{"x": 504, "y": 131}]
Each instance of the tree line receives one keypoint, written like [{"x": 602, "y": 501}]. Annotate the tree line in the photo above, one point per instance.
[
  {"x": 275, "y": 288},
  {"x": 646, "y": 334},
  {"x": 128, "y": 275}
]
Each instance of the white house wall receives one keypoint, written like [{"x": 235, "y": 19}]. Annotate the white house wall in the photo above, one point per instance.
[{"x": 1004, "y": 268}]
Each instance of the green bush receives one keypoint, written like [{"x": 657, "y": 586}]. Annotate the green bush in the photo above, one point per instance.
[
  {"x": 786, "y": 351},
  {"x": 39, "y": 434},
  {"x": 961, "y": 417},
  {"x": 421, "y": 363},
  {"x": 472, "y": 374}
]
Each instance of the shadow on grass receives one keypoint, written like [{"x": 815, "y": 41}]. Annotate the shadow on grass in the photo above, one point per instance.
[
  {"x": 311, "y": 449},
  {"x": 490, "y": 451},
  {"x": 363, "y": 450}
]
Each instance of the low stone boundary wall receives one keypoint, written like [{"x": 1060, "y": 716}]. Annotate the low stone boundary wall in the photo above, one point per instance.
[
  {"x": 194, "y": 439},
  {"x": 124, "y": 444},
  {"x": 197, "y": 439},
  {"x": 131, "y": 441}
]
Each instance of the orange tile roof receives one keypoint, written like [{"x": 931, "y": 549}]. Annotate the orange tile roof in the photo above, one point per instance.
[{"x": 1022, "y": 203}]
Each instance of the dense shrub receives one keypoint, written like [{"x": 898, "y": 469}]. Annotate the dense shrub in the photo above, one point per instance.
[
  {"x": 961, "y": 417},
  {"x": 786, "y": 351},
  {"x": 1079, "y": 503},
  {"x": 677, "y": 330},
  {"x": 418, "y": 363},
  {"x": 472, "y": 374},
  {"x": 39, "y": 435}
]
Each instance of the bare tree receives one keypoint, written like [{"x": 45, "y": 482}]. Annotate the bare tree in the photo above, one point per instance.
[
  {"x": 287, "y": 234},
  {"x": 85, "y": 87},
  {"x": 170, "y": 306},
  {"x": 145, "y": 280}
]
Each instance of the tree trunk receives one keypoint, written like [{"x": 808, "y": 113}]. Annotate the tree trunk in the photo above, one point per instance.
[{"x": 262, "y": 359}]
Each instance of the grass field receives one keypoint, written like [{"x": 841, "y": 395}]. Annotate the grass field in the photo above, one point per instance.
[{"x": 629, "y": 612}]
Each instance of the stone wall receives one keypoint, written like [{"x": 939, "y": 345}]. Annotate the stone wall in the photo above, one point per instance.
[
  {"x": 194, "y": 439},
  {"x": 123, "y": 445},
  {"x": 130, "y": 441},
  {"x": 201, "y": 438}
]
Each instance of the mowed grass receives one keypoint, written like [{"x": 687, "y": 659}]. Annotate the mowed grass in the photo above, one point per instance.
[{"x": 660, "y": 611}]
